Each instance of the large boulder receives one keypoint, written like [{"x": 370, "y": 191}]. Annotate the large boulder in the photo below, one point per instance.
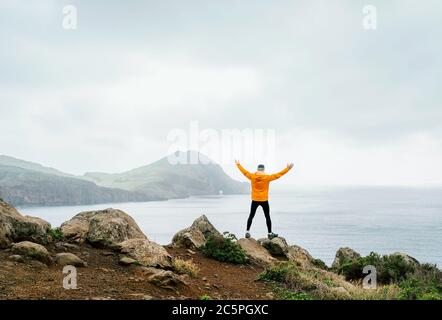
[
  {"x": 15, "y": 227},
  {"x": 146, "y": 252},
  {"x": 344, "y": 256},
  {"x": 32, "y": 250},
  {"x": 256, "y": 252},
  {"x": 299, "y": 255},
  {"x": 278, "y": 247},
  {"x": 195, "y": 236},
  {"x": 103, "y": 228},
  {"x": 66, "y": 258}
]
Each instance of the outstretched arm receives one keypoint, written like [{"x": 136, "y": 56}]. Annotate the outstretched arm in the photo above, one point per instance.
[
  {"x": 244, "y": 171},
  {"x": 281, "y": 173}
]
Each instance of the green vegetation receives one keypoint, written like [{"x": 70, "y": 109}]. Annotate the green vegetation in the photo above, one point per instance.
[
  {"x": 320, "y": 264},
  {"x": 415, "y": 281},
  {"x": 224, "y": 249},
  {"x": 389, "y": 268},
  {"x": 205, "y": 297},
  {"x": 55, "y": 234}
]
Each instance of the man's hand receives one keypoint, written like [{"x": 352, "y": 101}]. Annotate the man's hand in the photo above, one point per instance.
[
  {"x": 289, "y": 165},
  {"x": 236, "y": 161}
]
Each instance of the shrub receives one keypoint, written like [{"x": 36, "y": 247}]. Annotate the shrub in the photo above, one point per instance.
[
  {"x": 55, "y": 234},
  {"x": 224, "y": 249},
  {"x": 320, "y": 264},
  {"x": 185, "y": 267},
  {"x": 423, "y": 284},
  {"x": 205, "y": 297},
  {"x": 389, "y": 269},
  {"x": 278, "y": 273}
]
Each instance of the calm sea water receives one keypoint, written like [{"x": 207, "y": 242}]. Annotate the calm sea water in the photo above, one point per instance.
[{"x": 384, "y": 220}]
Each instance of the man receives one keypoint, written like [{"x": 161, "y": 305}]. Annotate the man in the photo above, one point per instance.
[{"x": 260, "y": 194}]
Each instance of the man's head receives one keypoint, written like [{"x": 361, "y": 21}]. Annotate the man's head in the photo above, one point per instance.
[{"x": 261, "y": 167}]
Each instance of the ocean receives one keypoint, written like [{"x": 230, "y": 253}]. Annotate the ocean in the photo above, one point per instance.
[{"x": 321, "y": 220}]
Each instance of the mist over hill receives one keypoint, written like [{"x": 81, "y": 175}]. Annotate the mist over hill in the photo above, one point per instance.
[{"x": 28, "y": 183}]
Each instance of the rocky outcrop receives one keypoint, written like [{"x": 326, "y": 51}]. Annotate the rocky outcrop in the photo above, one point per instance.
[
  {"x": 409, "y": 260},
  {"x": 256, "y": 252},
  {"x": 15, "y": 227},
  {"x": 278, "y": 247},
  {"x": 147, "y": 253},
  {"x": 343, "y": 256},
  {"x": 32, "y": 250},
  {"x": 66, "y": 258},
  {"x": 104, "y": 228},
  {"x": 299, "y": 255},
  {"x": 195, "y": 236}
]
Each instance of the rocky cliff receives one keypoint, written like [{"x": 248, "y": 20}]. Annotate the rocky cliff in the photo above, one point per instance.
[{"x": 118, "y": 261}]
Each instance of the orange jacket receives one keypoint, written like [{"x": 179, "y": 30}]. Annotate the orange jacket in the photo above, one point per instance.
[{"x": 260, "y": 182}]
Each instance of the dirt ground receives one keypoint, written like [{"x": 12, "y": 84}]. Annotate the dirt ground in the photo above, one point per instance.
[{"x": 104, "y": 278}]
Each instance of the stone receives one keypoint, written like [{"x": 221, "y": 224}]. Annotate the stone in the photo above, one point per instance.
[
  {"x": 32, "y": 250},
  {"x": 15, "y": 228},
  {"x": 343, "y": 256},
  {"x": 146, "y": 252},
  {"x": 276, "y": 247},
  {"x": 103, "y": 228},
  {"x": 255, "y": 252},
  {"x": 67, "y": 258},
  {"x": 162, "y": 278},
  {"x": 126, "y": 261},
  {"x": 195, "y": 236}
]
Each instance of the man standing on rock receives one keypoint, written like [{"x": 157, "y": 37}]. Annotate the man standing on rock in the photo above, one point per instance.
[{"x": 260, "y": 194}]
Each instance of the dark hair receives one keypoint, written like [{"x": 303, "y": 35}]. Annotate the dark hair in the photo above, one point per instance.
[{"x": 261, "y": 166}]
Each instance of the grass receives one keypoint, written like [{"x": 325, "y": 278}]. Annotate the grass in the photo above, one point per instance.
[
  {"x": 412, "y": 281},
  {"x": 55, "y": 234},
  {"x": 186, "y": 267},
  {"x": 294, "y": 282},
  {"x": 224, "y": 249},
  {"x": 205, "y": 297}
]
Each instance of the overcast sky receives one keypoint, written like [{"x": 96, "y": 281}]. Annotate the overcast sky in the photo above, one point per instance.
[{"x": 348, "y": 105}]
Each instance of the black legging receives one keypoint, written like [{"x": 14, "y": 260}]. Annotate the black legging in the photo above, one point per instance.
[{"x": 266, "y": 208}]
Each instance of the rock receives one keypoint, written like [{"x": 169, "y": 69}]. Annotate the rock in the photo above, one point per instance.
[
  {"x": 189, "y": 238},
  {"x": 195, "y": 236},
  {"x": 126, "y": 261},
  {"x": 14, "y": 227},
  {"x": 66, "y": 258},
  {"x": 300, "y": 255},
  {"x": 203, "y": 224},
  {"x": 276, "y": 247},
  {"x": 16, "y": 258},
  {"x": 33, "y": 251},
  {"x": 104, "y": 228},
  {"x": 146, "y": 252},
  {"x": 163, "y": 278},
  {"x": 409, "y": 260},
  {"x": 255, "y": 252},
  {"x": 344, "y": 255}
]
